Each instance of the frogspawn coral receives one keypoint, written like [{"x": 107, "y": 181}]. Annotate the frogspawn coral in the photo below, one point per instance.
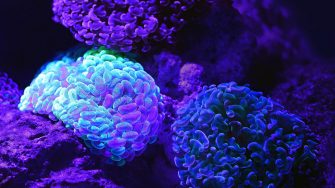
[
  {"x": 231, "y": 136},
  {"x": 119, "y": 24},
  {"x": 9, "y": 91},
  {"x": 108, "y": 100}
]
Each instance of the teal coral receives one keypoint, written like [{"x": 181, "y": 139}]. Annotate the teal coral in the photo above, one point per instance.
[
  {"x": 108, "y": 100},
  {"x": 231, "y": 136}
]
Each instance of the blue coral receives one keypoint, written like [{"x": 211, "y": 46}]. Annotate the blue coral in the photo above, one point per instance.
[
  {"x": 108, "y": 100},
  {"x": 119, "y": 24},
  {"x": 231, "y": 136},
  {"x": 9, "y": 91}
]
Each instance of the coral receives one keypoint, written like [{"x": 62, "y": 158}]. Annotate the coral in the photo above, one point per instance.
[
  {"x": 109, "y": 101},
  {"x": 124, "y": 25},
  {"x": 233, "y": 136},
  {"x": 189, "y": 78},
  {"x": 45, "y": 88},
  {"x": 9, "y": 91}
]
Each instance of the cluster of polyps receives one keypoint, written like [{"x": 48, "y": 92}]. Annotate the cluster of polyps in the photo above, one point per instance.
[
  {"x": 122, "y": 25},
  {"x": 231, "y": 136},
  {"x": 109, "y": 101}
]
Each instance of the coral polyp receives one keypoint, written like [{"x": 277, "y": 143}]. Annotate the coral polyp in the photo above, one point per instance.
[
  {"x": 231, "y": 136},
  {"x": 108, "y": 100},
  {"x": 9, "y": 91},
  {"x": 123, "y": 25}
]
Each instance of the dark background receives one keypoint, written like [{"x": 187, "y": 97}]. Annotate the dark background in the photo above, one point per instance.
[{"x": 29, "y": 37}]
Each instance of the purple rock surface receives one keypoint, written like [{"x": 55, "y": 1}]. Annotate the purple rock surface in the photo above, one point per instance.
[
  {"x": 308, "y": 91},
  {"x": 36, "y": 152}
]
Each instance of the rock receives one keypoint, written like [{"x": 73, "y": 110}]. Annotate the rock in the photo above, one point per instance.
[
  {"x": 36, "y": 152},
  {"x": 308, "y": 91}
]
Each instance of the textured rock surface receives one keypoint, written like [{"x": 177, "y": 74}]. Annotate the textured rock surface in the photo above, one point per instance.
[
  {"x": 36, "y": 152},
  {"x": 220, "y": 41},
  {"x": 275, "y": 32},
  {"x": 308, "y": 91}
]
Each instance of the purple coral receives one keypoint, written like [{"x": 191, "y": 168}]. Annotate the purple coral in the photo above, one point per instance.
[
  {"x": 124, "y": 25},
  {"x": 9, "y": 91}
]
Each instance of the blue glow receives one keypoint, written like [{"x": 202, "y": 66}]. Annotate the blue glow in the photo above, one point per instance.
[{"x": 231, "y": 136}]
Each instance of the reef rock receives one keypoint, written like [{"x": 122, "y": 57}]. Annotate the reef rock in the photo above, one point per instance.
[
  {"x": 308, "y": 91},
  {"x": 37, "y": 152}
]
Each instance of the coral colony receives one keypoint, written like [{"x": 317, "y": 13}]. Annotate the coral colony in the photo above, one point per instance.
[
  {"x": 233, "y": 136},
  {"x": 120, "y": 24},
  {"x": 224, "y": 135},
  {"x": 109, "y": 101}
]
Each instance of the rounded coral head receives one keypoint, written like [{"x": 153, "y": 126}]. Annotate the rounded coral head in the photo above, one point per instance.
[
  {"x": 231, "y": 136},
  {"x": 122, "y": 24},
  {"x": 108, "y": 100}
]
